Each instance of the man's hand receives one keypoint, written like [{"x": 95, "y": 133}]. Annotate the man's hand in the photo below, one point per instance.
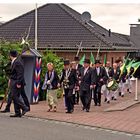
[
  {"x": 48, "y": 82},
  {"x": 91, "y": 86},
  {"x": 58, "y": 85},
  {"x": 94, "y": 86},
  {"x": 101, "y": 79},
  {"x": 9, "y": 83},
  {"x": 18, "y": 86}
]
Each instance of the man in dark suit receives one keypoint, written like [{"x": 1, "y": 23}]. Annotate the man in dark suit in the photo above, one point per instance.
[
  {"x": 78, "y": 68},
  {"x": 104, "y": 89},
  {"x": 23, "y": 94},
  {"x": 69, "y": 80},
  {"x": 115, "y": 74},
  {"x": 87, "y": 82},
  {"x": 101, "y": 78},
  {"x": 17, "y": 83}
]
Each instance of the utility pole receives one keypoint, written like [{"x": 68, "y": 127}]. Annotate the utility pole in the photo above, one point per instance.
[{"x": 36, "y": 27}]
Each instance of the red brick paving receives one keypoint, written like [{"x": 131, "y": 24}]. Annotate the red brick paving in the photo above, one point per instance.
[{"x": 127, "y": 120}]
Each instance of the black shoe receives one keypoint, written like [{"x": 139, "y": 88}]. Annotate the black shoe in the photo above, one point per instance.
[
  {"x": 68, "y": 112},
  {"x": 87, "y": 110},
  {"x": 115, "y": 99},
  {"x": 15, "y": 115},
  {"x": 112, "y": 98},
  {"x": 5, "y": 111},
  {"x": 105, "y": 100},
  {"x": 72, "y": 110},
  {"x": 108, "y": 102},
  {"x": 120, "y": 93},
  {"x": 83, "y": 108},
  {"x": 25, "y": 111}
]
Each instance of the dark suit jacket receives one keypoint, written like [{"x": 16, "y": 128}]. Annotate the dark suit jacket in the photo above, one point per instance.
[
  {"x": 72, "y": 78},
  {"x": 123, "y": 76},
  {"x": 17, "y": 72},
  {"x": 102, "y": 75},
  {"x": 115, "y": 75},
  {"x": 87, "y": 79}
]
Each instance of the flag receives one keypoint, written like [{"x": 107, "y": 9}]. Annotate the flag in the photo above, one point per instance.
[
  {"x": 105, "y": 59},
  {"x": 82, "y": 60},
  {"x": 129, "y": 65},
  {"x": 136, "y": 66},
  {"x": 123, "y": 67},
  {"x": 92, "y": 60}
]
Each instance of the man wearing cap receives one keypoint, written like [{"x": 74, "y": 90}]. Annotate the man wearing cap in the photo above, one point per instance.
[
  {"x": 101, "y": 78},
  {"x": 69, "y": 80},
  {"x": 16, "y": 83},
  {"x": 87, "y": 82}
]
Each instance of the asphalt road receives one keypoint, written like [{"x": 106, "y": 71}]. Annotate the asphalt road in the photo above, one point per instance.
[{"x": 38, "y": 129}]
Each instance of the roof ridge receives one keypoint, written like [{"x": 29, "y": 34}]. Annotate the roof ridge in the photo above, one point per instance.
[
  {"x": 63, "y": 6},
  {"x": 96, "y": 33}
]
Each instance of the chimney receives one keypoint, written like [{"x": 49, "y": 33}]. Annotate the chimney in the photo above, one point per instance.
[
  {"x": 109, "y": 32},
  {"x": 135, "y": 34}
]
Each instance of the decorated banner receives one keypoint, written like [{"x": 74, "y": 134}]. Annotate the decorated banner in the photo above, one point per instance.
[{"x": 37, "y": 80}]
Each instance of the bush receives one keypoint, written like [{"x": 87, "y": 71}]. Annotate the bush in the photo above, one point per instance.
[
  {"x": 47, "y": 56},
  {"x": 5, "y": 64}
]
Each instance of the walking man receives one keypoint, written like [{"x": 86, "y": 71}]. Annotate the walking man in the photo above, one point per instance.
[
  {"x": 87, "y": 82},
  {"x": 69, "y": 80},
  {"x": 101, "y": 78},
  {"x": 16, "y": 83}
]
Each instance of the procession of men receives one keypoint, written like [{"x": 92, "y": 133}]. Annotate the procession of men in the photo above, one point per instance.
[
  {"x": 86, "y": 82},
  {"x": 81, "y": 84},
  {"x": 91, "y": 82}
]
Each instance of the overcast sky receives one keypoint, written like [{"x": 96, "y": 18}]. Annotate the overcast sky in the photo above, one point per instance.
[{"x": 116, "y": 17}]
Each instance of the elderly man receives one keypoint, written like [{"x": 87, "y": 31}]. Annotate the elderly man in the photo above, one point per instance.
[{"x": 115, "y": 74}]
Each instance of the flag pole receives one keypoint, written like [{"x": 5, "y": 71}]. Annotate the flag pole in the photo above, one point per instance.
[
  {"x": 136, "y": 90},
  {"x": 36, "y": 26}
]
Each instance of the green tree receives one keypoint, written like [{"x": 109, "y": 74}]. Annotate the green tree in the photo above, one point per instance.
[{"x": 5, "y": 48}]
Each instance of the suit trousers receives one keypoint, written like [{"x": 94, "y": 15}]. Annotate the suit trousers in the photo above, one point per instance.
[
  {"x": 76, "y": 97},
  {"x": 15, "y": 93},
  {"x": 69, "y": 99},
  {"x": 97, "y": 95},
  {"x": 23, "y": 95},
  {"x": 85, "y": 96}
]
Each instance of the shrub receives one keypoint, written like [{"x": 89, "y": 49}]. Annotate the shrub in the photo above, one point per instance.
[{"x": 5, "y": 64}]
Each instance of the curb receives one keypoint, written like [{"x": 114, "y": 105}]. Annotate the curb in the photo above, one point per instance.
[
  {"x": 132, "y": 103},
  {"x": 85, "y": 125}
]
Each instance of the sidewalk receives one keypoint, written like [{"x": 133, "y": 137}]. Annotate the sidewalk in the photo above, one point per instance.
[
  {"x": 121, "y": 115},
  {"x": 127, "y": 120}
]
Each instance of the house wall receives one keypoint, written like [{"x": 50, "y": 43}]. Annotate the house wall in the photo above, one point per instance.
[{"x": 111, "y": 56}]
